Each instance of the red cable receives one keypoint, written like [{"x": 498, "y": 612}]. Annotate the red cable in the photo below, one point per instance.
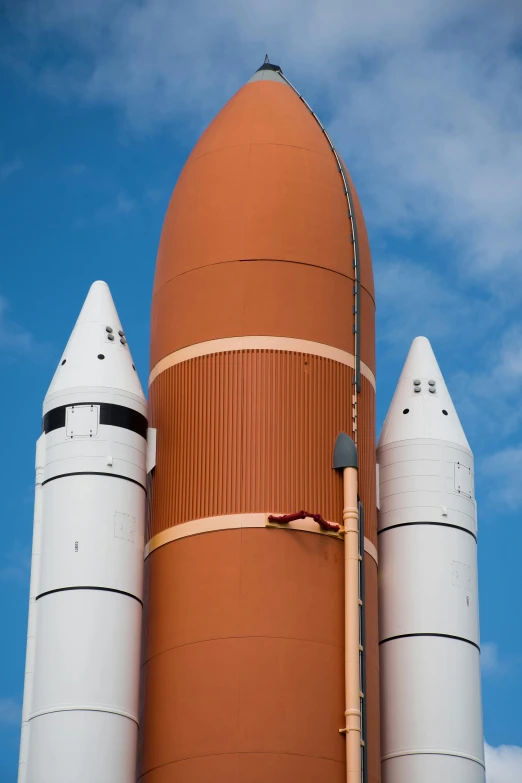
[{"x": 323, "y": 523}]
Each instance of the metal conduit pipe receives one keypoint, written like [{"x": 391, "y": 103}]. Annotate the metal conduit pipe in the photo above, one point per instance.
[
  {"x": 345, "y": 459},
  {"x": 364, "y": 745}
]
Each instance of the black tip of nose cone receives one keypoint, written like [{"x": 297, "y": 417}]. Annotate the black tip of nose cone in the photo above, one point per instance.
[
  {"x": 345, "y": 452},
  {"x": 268, "y": 66}
]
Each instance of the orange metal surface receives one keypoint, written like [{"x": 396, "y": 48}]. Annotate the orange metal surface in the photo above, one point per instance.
[
  {"x": 261, "y": 184},
  {"x": 243, "y": 674},
  {"x": 261, "y": 298},
  {"x": 248, "y": 431},
  {"x": 245, "y": 664}
]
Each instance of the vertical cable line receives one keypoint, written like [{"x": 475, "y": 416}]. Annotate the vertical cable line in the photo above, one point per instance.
[{"x": 355, "y": 243}]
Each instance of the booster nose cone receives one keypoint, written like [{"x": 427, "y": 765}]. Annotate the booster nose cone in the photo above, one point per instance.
[
  {"x": 97, "y": 354},
  {"x": 421, "y": 406}
]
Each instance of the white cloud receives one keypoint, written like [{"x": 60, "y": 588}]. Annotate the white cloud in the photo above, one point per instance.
[
  {"x": 503, "y": 764},
  {"x": 414, "y": 299},
  {"x": 424, "y": 97},
  {"x": 15, "y": 565},
  {"x": 504, "y": 469},
  {"x": 9, "y": 168},
  {"x": 10, "y": 711},
  {"x": 489, "y": 660},
  {"x": 13, "y": 337},
  {"x": 77, "y": 170},
  {"x": 423, "y": 100}
]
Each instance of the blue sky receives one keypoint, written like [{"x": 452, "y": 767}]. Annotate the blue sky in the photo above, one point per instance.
[{"x": 102, "y": 102}]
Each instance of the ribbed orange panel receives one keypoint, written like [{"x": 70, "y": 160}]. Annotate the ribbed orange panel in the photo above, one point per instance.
[{"x": 253, "y": 431}]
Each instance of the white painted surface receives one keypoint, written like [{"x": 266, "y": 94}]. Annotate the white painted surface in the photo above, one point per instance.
[
  {"x": 425, "y": 418},
  {"x": 88, "y": 645},
  {"x": 86, "y": 542},
  {"x": 428, "y": 582},
  {"x": 151, "y": 449},
  {"x": 431, "y": 712},
  {"x": 31, "y": 620},
  {"x": 84, "y": 701},
  {"x": 417, "y": 482},
  {"x": 95, "y": 747},
  {"x": 266, "y": 76},
  {"x": 82, "y": 370},
  {"x": 431, "y": 699}
]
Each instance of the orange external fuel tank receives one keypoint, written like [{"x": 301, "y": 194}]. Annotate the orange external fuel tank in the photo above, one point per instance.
[{"x": 254, "y": 351}]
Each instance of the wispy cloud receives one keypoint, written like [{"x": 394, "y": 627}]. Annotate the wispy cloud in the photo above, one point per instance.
[
  {"x": 495, "y": 663},
  {"x": 423, "y": 98},
  {"x": 76, "y": 169},
  {"x": 503, "y": 763},
  {"x": 13, "y": 337},
  {"x": 124, "y": 204},
  {"x": 504, "y": 469},
  {"x": 121, "y": 206},
  {"x": 10, "y": 711},
  {"x": 10, "y": 168},
  {"x": 489, "y": 660},
  {"x": 414, "y": 298},
  {"x": 15, "y": 565}
]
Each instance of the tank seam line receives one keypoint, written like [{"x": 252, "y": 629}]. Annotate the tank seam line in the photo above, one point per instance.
[
  {"x": 227, "y": 638},
  {"x": 255, "y": 260},
  {"x": 242, "y": 753},
  {"x": 324, "y": 154}
]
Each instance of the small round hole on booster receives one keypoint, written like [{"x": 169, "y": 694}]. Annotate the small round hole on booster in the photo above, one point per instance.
[
  {"x": 101, "y": 356},
  {"x": 445, "y": 412},
  {"x": 64, "y": 362},
  {"x": 406, "y": 410}
]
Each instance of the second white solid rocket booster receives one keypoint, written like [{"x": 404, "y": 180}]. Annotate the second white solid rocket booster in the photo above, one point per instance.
[{"x": 431, "y": 713}]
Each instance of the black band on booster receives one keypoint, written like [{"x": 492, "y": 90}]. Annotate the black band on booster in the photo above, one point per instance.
[{"x": 115, "y": 415}]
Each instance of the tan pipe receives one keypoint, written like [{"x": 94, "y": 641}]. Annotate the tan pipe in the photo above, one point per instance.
[{"x": 351, "y": 627}]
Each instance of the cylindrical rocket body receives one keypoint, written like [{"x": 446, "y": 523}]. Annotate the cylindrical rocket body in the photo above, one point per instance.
[
  {"x": 84, "y": 704},
  {"x": 428, "y": 600},
  {"x": 31, "y": 620},
  {"x": 252, "y": 380}
]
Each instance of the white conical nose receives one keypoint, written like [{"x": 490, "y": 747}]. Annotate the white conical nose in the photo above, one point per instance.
[
  {"x": 98, "y": 306},
  {"x": 421, "y": 406},
  {"x": 97, "y": 354}
]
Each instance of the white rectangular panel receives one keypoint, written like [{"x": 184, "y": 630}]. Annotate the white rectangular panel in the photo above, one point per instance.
[{"x": 81, "y": 421}]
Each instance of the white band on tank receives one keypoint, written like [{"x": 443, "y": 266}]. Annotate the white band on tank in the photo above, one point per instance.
[
  {"x": 237, "y": 521},
  {"x": 256, "y": 343}
]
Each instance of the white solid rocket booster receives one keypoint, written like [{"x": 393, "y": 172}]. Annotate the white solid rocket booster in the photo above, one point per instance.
[
  {"x": 431, "y": 712},
  {"x": 82, "y": 671}
]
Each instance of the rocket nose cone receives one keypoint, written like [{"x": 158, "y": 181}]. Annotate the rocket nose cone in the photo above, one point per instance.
[
  {"x": 97, "y": 354},
  {"x": 421, "y": 406},
  {"x": 421, "y": 360},
  {"x": 268, "y": 72},
  {"x": 99, "y": 305}
]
